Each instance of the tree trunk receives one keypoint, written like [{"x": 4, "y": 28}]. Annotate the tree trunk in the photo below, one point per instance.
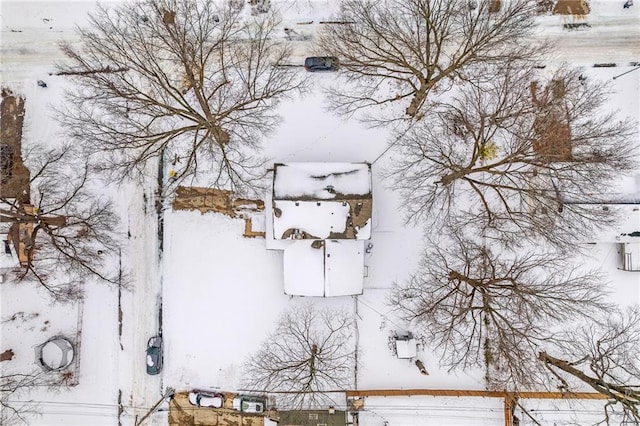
[
  {"x": 421, "y": 367},
  {"x": 619, "y": 392}
]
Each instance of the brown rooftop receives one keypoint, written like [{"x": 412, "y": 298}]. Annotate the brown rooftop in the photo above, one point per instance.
[
  {"x": 552, "y": 140},
  {"x": 571, "y": 7},
  {"x": 14, "y": 175}
]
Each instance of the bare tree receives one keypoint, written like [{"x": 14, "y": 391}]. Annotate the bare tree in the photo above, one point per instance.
[
  {"x": 309, "y": 354},
  {"x": 401, "y": 51},
  {"x": 491, "y": 310},
  {"x": 13, "y": 386},
  {"x": 603, "y": 355},
  {"x": 63, "y": 230},
  {"x": 193, "y": 81},
  {"x": 518, "y": 156}
]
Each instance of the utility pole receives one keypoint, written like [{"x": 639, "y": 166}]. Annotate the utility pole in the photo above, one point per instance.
[
  {"x": 167, "y": 394},
  {"x": 627, "y": 72}
]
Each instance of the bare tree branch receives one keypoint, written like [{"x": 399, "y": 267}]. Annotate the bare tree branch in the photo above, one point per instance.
[
  {"x": 402, "y": 51},
  {"x": 68, "y": 232},
  {"x": 13, "y": 386},
  {"x": 492, "y": 310},
  {"x": 200, "y": 86},
  {"x": 309, "y": 354},
  {"x": 517, "y": 157},
  {"x": 604, "y": 355}
]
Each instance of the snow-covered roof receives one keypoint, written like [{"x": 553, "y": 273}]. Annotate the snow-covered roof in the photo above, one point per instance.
[
  {"x": 321, "y": 214},
  {"x": 57, "y": 353},
  {"x": 324, "y": 268},
  {"x": 303, "y": 269},
  {"x": 321, "y": 181},
  {"x": 406, "y": 349},
  {"x": 322, "y": 200},
  {"x": 343, "y": 267},
  {"x": 315, "y": 218},
  {"x": 627, "y": 227}
]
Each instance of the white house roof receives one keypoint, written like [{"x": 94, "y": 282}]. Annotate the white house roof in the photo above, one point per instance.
[
  {"x": 303, "y": 269},
  {"x": 316, "y": 218},
  {"x": 343, "y": 267},
  {"x": 320, "y": 216},
  {"x": 322, "y": 200},
  {"x": 321, "y": 181},
  {"x": 326, "y": 268}
]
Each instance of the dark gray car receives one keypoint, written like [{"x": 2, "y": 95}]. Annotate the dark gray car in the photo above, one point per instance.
[
  {"x": 321, "y": 63},
  {"x": 154, "y": 355}
]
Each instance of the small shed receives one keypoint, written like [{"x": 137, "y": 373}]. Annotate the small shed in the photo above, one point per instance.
[{"x": 406, "y": 348}]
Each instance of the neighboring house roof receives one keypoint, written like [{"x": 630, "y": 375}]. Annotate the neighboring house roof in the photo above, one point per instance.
[
  {"x": 14, "y": 176},
  {"x": 312, "y": 417},
  {"x": 571, "y": 7},
  {"x": 320, "y": 214},
  {"x": 553, "y": 134}
]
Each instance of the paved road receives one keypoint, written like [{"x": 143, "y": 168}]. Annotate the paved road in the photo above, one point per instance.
[
  {"x": 141, "y": 302},
  {"x": 608, "y": 40}
]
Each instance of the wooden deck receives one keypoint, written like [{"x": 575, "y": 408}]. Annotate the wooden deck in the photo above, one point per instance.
[{"x": 214, "y": 200}]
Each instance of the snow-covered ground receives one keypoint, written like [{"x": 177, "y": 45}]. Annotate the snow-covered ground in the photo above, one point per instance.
[{"x": 221, "y": 293}]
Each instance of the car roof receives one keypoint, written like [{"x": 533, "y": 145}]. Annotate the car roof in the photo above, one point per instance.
[
  {"x": 205, "y": 396},
  {"x": 155, "y": 341},
  {"x": 207, "y": 393},
  {"x": 317, "y": 59},
  {"x": 256, "y": 398}
]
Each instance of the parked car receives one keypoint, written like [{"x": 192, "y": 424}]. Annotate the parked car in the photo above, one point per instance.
[
  {"x": 249, "y": 403},
  {"x": 321, "y": 63},
  {"x": 154, "y": 355},
  {"x": 201, "y": 398}
]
